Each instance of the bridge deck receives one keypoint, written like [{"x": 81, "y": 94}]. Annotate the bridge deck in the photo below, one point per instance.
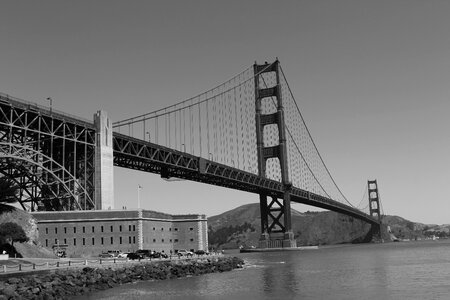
[{"x": 140, "y": 155}]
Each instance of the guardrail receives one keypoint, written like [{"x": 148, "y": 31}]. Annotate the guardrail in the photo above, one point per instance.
[{"x": 26, "y": 267}]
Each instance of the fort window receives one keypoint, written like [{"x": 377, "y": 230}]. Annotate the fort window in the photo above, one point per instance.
[
  {"x": 191, "y": 229},
  {"x": 84, "y": 229},
  {"x": 56, "y": 241},
  {"x": 129, "y": 240},
  {"x": 111, "y": 229},
  {"x": 93, "y": 229},
  {"x": 46, "y": 230},
  {"x": 46, "y": 243},
  {"x": 170, "y": 240},
  {"x": 65, "y": 230},
  {"x": 84, "y": 241},
  {"x": 56, "y": 230},
  {"x": 120, "y": 229},
  {"x": 176, "y": 240},
  {"x": 74, "y": 230},
  {"x": 129, "y": 227},
  {"x": 176, "y": 229},
  {"x": 170, "y": 229},
  {"x": 134, "y": 240},
  {"x": 93, "y": 241},
  {"x": 101, "y": 241},
  {"x": 192, "y": 240},
  {"x": 112, "y": 240},
  {"x": 65, "y": 241},
  {"x": 162, "y": 229},
  {"x": 120, "y": 240},
  {"x": 154, "y": 240},
  {"x": 74, "y": 242},
  {"x": 134, "y": 227},
  {"x": 154, "y": 228},
  {"x": 101, "y": 228},
  {"x": 162, "y": 241}
]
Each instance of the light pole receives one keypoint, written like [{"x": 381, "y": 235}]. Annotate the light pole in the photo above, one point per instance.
[
  {"x": 148, "y": 136},
  {"x": 139, "y": 187},
  {"x": 51, "y": 103}
]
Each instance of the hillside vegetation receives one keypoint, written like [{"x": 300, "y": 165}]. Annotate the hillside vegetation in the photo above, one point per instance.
[
  {"x": 242, "y": 227},
  {"x": 29, "y": 225}
]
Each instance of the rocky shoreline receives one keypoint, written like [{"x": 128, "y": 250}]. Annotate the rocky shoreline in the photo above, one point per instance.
[{"x": 61, "y": 284}]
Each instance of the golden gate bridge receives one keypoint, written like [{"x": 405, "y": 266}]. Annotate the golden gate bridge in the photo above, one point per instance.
[{"x": 247, "y": 133}]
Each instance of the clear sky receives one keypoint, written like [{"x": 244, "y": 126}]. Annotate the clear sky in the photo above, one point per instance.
[{"x": 370, "y": 77}]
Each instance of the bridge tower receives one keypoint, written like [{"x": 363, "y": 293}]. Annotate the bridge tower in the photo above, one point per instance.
[
  {"x": 374, "y": 206},
  {"x": 276, "y": 224}
]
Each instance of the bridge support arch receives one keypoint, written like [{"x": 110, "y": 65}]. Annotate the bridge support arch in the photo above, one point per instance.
[
  {"x": 276, "y": 224},
  {"x": 42, "y": 181}
]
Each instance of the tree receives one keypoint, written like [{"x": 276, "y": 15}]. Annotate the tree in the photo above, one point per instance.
[
  {"x": 8, "y": 190},
  {"x": 12, "y": 232}
]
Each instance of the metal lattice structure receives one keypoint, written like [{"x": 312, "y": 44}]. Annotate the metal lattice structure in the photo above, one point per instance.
[{"x": 48, "y": 154}]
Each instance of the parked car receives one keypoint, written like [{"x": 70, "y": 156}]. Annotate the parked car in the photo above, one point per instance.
[
  {"x": 106, "y": 255},
  {"x": 110, "y": 254},
  {"x": 184, "y": 253},
  {"x": 115, "y": 253},
  {"x": 201, "y": 252},
  {"x": 144, "y": 253},
  {"x": 134, "y": 255},
  {"x": 122, "y": 255},
  {"x": 155, "y": 254}
]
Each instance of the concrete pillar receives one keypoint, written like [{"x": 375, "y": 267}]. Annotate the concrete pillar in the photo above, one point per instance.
[
  {"x": 104, "y": 176},
  {"x": 202, "y": 233}
]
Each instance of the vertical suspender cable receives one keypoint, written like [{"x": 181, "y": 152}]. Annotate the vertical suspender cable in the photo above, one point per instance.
[{"x": 199, "y": 127}]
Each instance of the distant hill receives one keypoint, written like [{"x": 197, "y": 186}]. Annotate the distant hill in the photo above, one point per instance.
[
  {"x": 242, "y": 226},
  {"x": 408, "y": 230}
]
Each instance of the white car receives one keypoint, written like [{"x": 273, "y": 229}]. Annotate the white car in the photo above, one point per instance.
[{"x": 184, "y": 253}]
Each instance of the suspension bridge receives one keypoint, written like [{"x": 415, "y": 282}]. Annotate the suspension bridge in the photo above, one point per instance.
[{"x": 247, "y": 134}]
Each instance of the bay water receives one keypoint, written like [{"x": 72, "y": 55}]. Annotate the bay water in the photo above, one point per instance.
[{"x": 404, "y": 270}]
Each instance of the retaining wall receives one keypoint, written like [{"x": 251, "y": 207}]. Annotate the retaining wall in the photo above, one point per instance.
[{"x": 60, "y": 284}]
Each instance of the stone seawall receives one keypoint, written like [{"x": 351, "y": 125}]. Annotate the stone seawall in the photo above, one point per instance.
[{"x": 61, "y": 284}]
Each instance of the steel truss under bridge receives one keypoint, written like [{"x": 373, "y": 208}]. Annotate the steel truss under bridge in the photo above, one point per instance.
[{"x": 49, "y": 155}]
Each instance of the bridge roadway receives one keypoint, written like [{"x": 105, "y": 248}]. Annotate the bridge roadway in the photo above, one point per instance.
[{"x": 145, "y": 156}]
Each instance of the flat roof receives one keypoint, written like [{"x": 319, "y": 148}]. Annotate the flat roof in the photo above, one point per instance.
[{"x": 112, "y": 215}]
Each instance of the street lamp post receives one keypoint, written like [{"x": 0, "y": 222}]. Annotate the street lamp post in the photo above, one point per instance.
[
  {"x": 138, "y": 198},
  {"x": 148, "y": 136},
  {"x": 51, "y": 104}
]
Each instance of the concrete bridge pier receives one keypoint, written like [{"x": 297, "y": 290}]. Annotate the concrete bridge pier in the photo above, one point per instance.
[{"x": 276, "y": 229}]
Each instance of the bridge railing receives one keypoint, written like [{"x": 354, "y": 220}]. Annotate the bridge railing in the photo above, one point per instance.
[{"x": 5, "y": 98}]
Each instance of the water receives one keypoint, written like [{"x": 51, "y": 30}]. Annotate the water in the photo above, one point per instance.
[{"x": 407, "y": 270}]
